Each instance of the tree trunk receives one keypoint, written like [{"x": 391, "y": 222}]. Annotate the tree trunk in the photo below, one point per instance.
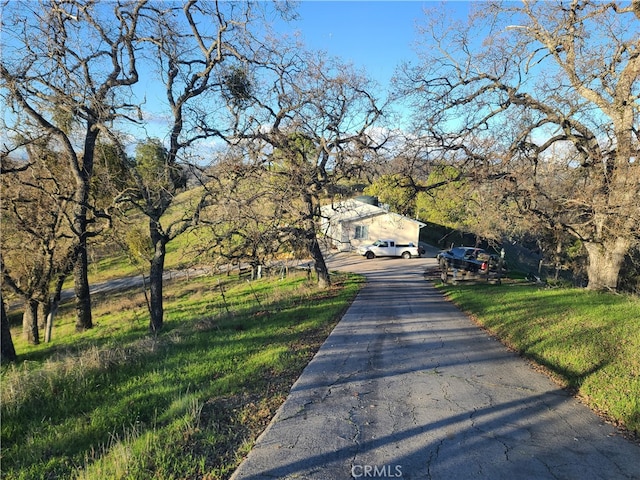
[
  {"x": 557, "y": 259},
  {"x": 156, "y": 309},
  {"x": 605, "y": 261},
  {"x": 48, "y": 328},
  {"x": 320, "y": 265},
  {"x": 54, "y": 302},
  {"x": 51, "y": 316},
  {"x": 43, "y": 312},
  {"x": 313, "y": 246},
  {"x": 30, "y": 321},
  {"x": 80, "y": 224},
  {"x": 81, "y": 287},
  {"x": 7, "y": 350}
]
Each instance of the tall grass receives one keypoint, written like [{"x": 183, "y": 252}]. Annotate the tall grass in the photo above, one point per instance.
[
  {"x": 589, "y": 341},
  {"x": 116, "y": 402}
]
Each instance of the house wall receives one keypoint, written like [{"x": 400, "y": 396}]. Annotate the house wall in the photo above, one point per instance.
[
  {"x": 335, "y": 235},
  {"x": 391, "y": 226}
]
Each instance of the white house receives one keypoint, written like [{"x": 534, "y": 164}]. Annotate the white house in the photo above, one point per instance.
[{"x": 354, "y": 222}]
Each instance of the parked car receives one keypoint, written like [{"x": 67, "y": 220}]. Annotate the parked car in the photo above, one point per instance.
[
  {"x": 471, "y": 259},
  {"x": 389, "y": 248}
]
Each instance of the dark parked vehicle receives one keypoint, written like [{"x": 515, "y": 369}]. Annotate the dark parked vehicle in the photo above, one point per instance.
[{"x": 470, "y": 259}]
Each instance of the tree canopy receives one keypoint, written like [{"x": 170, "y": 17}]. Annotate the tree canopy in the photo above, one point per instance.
[{"x": 547, "y": 105}]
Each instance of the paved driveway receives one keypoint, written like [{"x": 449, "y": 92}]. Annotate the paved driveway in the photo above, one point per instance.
[{"x": 407, "y": 387}]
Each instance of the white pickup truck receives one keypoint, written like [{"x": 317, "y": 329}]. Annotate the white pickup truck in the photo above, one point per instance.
[{"x": 389, "y": 248}]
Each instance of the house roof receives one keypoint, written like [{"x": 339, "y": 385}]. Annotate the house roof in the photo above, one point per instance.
[{"x": 350, "y": 210}]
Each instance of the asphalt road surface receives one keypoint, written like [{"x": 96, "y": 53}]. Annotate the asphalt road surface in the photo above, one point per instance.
[{"x": 406, "y": 386}]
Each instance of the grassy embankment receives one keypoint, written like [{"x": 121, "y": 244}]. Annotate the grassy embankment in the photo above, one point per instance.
[
  {"x": 115, "y": 402},
  {"x": 588, "y": 341}
]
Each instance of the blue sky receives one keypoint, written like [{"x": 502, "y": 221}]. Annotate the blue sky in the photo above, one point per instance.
[{"x": 375, "y": 35}]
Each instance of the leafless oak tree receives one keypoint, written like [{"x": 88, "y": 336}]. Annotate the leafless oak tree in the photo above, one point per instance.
[
  {"x": 545, "y": 97},
  {"x": 308, "y": 120},
  {"x": 195, "y": 48},
  {"x": 37, "y": 247},
  {"x": 65, "y": 68}
]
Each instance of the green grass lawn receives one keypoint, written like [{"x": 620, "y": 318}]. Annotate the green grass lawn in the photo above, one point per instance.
[
  {"x": 116, "y": 402},
  {"x": 588, "y": 341}
]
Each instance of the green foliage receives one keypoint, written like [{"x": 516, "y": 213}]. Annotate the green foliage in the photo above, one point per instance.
[
  {"x": 576, "y": 249},
  {"x": 139, "y": 246},
  {"x": 394, "y": 191},
  {"x": 111, "y": 174},
  {"x": 151, "y": 163},
  {"x": 118, "y": 403},
  {"x": 297, "y": 158},
  {"x": 157, "y": 172},
  {"x": 63, "y": 119},
  {"x": 238, "y": 85},
  {"x": 443, "y": 199},
  {"x": 448, "y": 204},
  {"x": 590, "y": 341}
]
